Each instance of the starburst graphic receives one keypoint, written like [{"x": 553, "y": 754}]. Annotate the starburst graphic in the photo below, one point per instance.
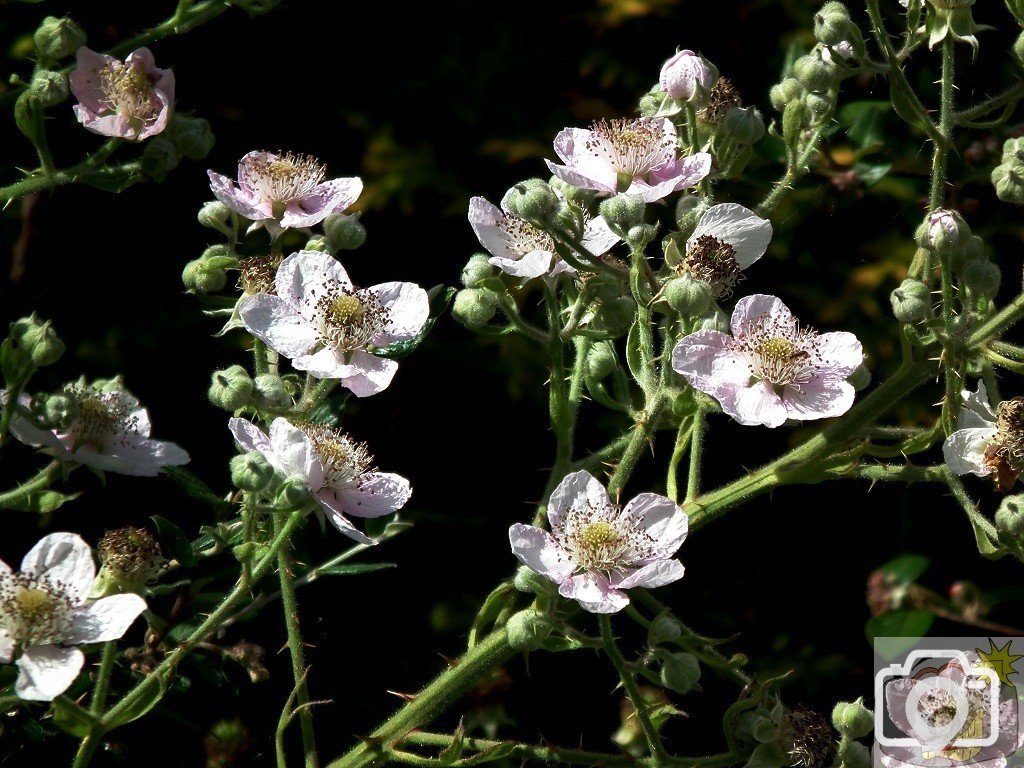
[{"x": 1000, "y": 661}]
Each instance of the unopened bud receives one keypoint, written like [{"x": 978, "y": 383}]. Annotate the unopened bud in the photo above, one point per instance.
[
  {"x": 687, "y": 76},
  {"x": 49, "y": 88},
  {"x": 1010, "y": 521},
  {"x": 477, "y": 269},
  {"x": 251, "y": 472},
  {"x": 1018, "y": 49},
  {"x": 159, "y": 158},
  {"x": 344, "y": 232},
  {"x": 37, "y": 339},
  {"x": 216, "y": 215},
  {"x": 271, "y": 390},
  {"x": 293, "y": 494},
  {"x": 531, "y": 582},
  {"x": 943, "y": 231},
  {"x": 474, "y": 307},
  {"x": 852, "y": 719},
  {"x": 663, "y": 629},
  {"x": 533, "y": 200},
  {"x": 744, "y": 124},
  {"x": 601, "y": 361},
  {"x": 230, "y": 388},
  {"x": 527, "y": 630},
  {"x": 623, "y": 212},
  {"x": 57, "y": 38},
  {"x": 679, "y": 671},
  {"x": 785, "y": 92},
  {"x": 206, "y": 274},
  {"x": 814, "y": 73},
  {"x": 856, "y": 756},
  {"x": 688, "y": 297},
  {"x": 860, "y": 378},
  {"x": 982, "y": 277},
  {"x": 192, "y": 136},
  {"x": 58, "y": 411},
  {"x": 1008, "y": 176},
  {"x": 911, "y": 302},
  {"x": 567, "y": 219}
]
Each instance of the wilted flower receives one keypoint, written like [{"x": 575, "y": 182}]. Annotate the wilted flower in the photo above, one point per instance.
[
  {"x": 519, "y": 248},
  {"x": 728, "y": 239},
  {"x": 338, "y": 470},
  {"x": 771, "y": 369},
  {"x": 110, "y": 432},
  {"x": 687, "y": 74},
  {"x": 329, "y": 328},
  {"x": 639, "y": 157},
  {"x": 596, "y": 550},
  {"x": 45, "y": 613},
  {"x": 130, "y": 558},
  {"x": 130, "y": 99},
  {"x": 284, "y": 190},
  {"x": 988, "y": 442},
  {"x": 806, "y": 738}
]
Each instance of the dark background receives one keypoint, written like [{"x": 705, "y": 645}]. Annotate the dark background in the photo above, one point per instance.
[{"x": 430, "y": 104}]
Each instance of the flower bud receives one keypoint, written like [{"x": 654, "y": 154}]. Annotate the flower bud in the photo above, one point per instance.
[
  {"x": 216, "y": 215},
  {"x": 477, "y": 269},
  {"x": 533, "y": 200},
  {"x": 271, "y": 390},
  {"x": 57, "y": 38},
  {"x": 814, "y": 73},
  {"x": 206, "y": 274},
  {"x": 982, "y": 277},
  {"x": 571, "y": 193},
  {"x": 317, "y": 243},
  {"x": 474, "y": 307},
  {"x": 1010, "y": 520},
  {"x": 530, "y": 582},
  {"x": 1008, "y": 176},
  {"x": 689, "y": 209},
  {"x": 344, "y": 232},
  {"x": 568, "y": 219},
  {"x": 744, "y": 124},
  {"x": 623, "y": 212},
  {"x": 58, "y": 411},
  {"x": 601, "y": 361},
  {"x": 664, "y": 629},
  {"x": 852, "y": 719},
  {"x": 130, "y": 559},
  {"x": 856, "y": 756},
  {"x": 527, "y": 630},
  {"x": 192, "y": 136},
  {"x": 911, "y": 302},
  {"x": 832, "y": 24},
  {"x": 818, "y": 107},
  {"x": 617, "y": 314},
  {"x": 860, "y": 378},
  {"x": 293, "y": 494},
  {"x": 943, "y": 231},
  {"x": 785, "y": 92},
  {"x": 688, "y": 297},
  {"x": 687, "y": 76},
  {"x": 679, "y": 671},
  {"x": 49, "y": 88},
  {"x": 159, "y": 158},
  {"x": 37, "y": 339},
  {"x": 251, "y": 472},
  {"x": 230, "y": 388}
]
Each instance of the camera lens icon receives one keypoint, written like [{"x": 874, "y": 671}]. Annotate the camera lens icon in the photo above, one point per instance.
[{"x": 935, "y": 736}]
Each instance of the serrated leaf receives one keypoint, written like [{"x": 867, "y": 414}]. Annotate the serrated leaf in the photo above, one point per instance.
[
  {"x": 44, "y": 502},
  {"x": 440, "y": 297},
  {"x": 194, "y": 487},
  {"x": 173, "y": 541}
]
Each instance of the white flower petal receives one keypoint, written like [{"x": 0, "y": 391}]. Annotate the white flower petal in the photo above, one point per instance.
[
  {"x": 373, "y": 494},
  {"x": 46, "y": 671},
  {"x": 304, "y": 270},
  {"x": 841, "y": 352},
  {"x": 740, "y": 227},
  {"x": 976, "y": 412},
  {"x": 598, "y": 238},
  {"x": 756, "y": 405},
  {"x": 751, "y": 307},
  {"x": 337, "y": 517},
  {"x": 7, "y": 646},
  {"x": 580, "y": 489},
  {"x": 964, "y": 450},
  {"x": 487, "y": 221},
  {"x": 663, "y": 520},
  {"x": 532, "y": 264},
  {"x": 408, "y": 309},
  {"x": 707, "y": 362},
  {"x": 538, "y": 551},
  {"x": 325, "y": 363},
  {"x": 64, "y": 559},
  {"x": 249, "y": 436},
  {"x": 278, "y": 324},
  {"x": 656, "y": 574},
  {"x": 105, "y": 619},
  {"x": 294, "y": 454},
  {"x": 593, "y": 592},
  {"x": 820, "y": 398},
  {"x": 367, "y": 374}
]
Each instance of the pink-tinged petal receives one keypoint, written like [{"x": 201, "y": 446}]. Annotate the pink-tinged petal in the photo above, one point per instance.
[
  {"x": 576, "y": 179},
  {"x": 112, "y": 125},
  {"x": 46, "y": 671},
  {"x": 26, "y": 432},
  {"x": 822, "y": 397},
  {"x": 336, "y": 515},
  {"x": 85, "y": 78},
  {"x": 165, "y": 95},
  {"x": 571, "y": 145},
  {"x": 598, "y": 238},
  {"x": 408, "y": 309},
  {"x": 293, "y": 454},
  {"x": 488, "y": 223},
  {"x": 332, "y": 196},
  {"x": 747, "y": 233},
  {"x": 323, "y": 364},
  {"x": 754, "y": 306},
  {"x": 65, "y": 559},
  {"x": 366, "y": 375},
  {"x": 976, "y": 411},
  {"x": 663, "y": 520},
  {"x": 656, "y": 574},
  {"x": 538, "y": 551},
  {"x": 277, "y": 323},
  {"x": 593, "y": 592},
  {"x": 237, "y": 200},
  {"x": 105, "y": 619},
  {"x": 756, "y": 405},
  {"x": 707, "y": 362},
  {"x": 144, "y": 58},
  {"x": 579, "y": 489},
  {"x": 304, "y": 271},
  {"x": 675, "y": 176},
  {"x": 249, "y": 436},
  {"x": 374, "y": 494},
  {"x": 964, "y": 450},
  {"x": 841, "y": 353},
  {"x": 533, "y": 264},
  {"x": 137, "y": 458},
  {"x": 7, "y": 646}
]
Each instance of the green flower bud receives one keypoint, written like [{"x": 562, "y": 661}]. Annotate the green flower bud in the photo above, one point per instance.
[
  {"x": 206, "y": 274},
  {"x": 571, "y": 193},
  {"x": 251, "y": 472},
  {"x": 344, "y": 232},
  {"x": 860, "y": 378},
  {"x": 37, "y": 339},
  {"x": 130, "y": 559},
  {"x": 49, "y": 88},
  {"x": 785, "y": 92},
  {"x": 567, "y": 218},
  {"x": 951, "y": 18},
  {"x": 474, "y": 307},
  {"x": 293, "y": 494},
  {"x": 1010, "y": 521},
  {"x": 679, "y": 671},
  {"x": 533, "y": 200},
  {"x": 58, "y": 411},
  {"x": 814, "y": 73},
  {"x": 230, "y": 388},
  {"x": 1018, "y": 49},
  {"x": 623, "y": 212},
  {"x": 744, "y": 124},
  {"x": 717, "y": 320},
  {"x": 664, "y": 629},
  {"x": 1008, "y": 176},
  {"x": 943, "y": 231},
  {"x": 477, "y": 269},
  {"x": 640, "y": 235},
  {"x": 159, "y": 158},
  {"x": 191, "y": 136},
  {"x": 856, "y": 756},
  {"x": 911, "y": 302},
  {"x": 688, "y": 297},
  {"x": 530, "y": 582},
  {"x": 601, "y": 361},
  {"x": 818, "y": 107},
  {"x": 832, "y": 24},
  {"x": 216, "y": 215},
  {"x": 271, "y": 390},
  {"x": 657, "y": 103},
  {"x": 852, "y": 719},
  {"x": 616, "y": 315},
  {"x": 317, "y": 243},
  {"x": 527, "y": 630},
  {"x": 57, "y": 38},
  {"x": 982, "y": 277},
  {"x": 689, "y": 209}
]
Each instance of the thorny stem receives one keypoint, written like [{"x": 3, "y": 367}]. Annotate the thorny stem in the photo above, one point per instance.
[
  {"x": 16, "y": 497},
  {"x": 696, "y": 454},
  {"x": 678, "y": 452}
]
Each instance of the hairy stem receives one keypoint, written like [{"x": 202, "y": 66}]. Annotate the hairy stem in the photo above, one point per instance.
[{"x": 17, "y": 497}]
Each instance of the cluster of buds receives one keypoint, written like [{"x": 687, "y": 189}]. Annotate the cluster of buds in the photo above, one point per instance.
[
  {"x": 947, "y": 235},
  {"x": 1008, "y": 176}
]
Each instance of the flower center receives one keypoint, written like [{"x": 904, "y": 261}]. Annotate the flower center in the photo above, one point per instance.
[
  {"x": 713, "y": 262},
  {"x": 257, "y": 273},
  {"x": 32, "y": 611},
  {"x": 283, "y": 179},
  {"x": 601, "y": 538},
  {"x": 128, "y": 91},
  {"x": 349, "y": 320},
  {"x": 633, "y": 148},
  {"x": 1005, "y": 452},
  {"x": 102, "y": 416},
  {"x": 722, "y": 98},
  {"x": 344, "y": 459},
  {"x": 779, "y": 351},
  {"x": 523, "y": 238}
]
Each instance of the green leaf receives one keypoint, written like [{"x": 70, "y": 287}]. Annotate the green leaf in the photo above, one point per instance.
[
  {"x": 195, "y": 488},
  {"x": 906, "y": 569},
  {"x": 440, "y": 297},
  {"x": 502, "y": 596},
  {"x": 355, "y": 568},
  {"x": 871, "y": 173},
  {"x": 44, "y": 502},
  {"x": 71, "y": 718},
  {"x": 768, "y": 755},
  {"x": 330, "y": 412},
  {"x": 150, "y": 698},
  {"x": 561, "y": 643},
  {"x": 158, "y": 590},
  {"x": 173, "y": 541},
  {"x": 904, "y": 102},
  {"x": 908, "y": 625},
  {"x": 865, "y": 124}
]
